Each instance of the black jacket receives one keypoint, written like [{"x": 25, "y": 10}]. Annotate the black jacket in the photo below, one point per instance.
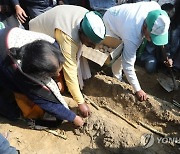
[{"x": 41, "y": 3}]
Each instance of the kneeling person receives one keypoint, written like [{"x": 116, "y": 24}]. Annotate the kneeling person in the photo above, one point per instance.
[{"x": 28, "y": 62}]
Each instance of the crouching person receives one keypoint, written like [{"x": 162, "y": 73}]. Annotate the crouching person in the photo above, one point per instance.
[{"x": 28, "y": 63}]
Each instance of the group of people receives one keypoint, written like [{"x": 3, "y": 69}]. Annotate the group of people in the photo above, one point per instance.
[
  {"x": 34, "y": 62},
  {"x": 152, "y": 57},
  {"x": 26, "y": 10}
]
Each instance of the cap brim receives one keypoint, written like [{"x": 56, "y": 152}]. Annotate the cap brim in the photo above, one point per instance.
[{"x": 159, "y": 39}]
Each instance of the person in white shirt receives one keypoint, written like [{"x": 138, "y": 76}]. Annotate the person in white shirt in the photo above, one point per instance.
[{"x": 132, "y": 23}]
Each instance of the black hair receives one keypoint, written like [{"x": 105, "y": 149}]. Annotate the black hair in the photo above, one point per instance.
[
  {"x": 39, "y": 58},
  {"x": 81, "y": 32},
  {"x": 167, "y": 6}
]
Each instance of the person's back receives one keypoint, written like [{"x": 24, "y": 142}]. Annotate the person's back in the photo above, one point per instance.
[
  {"x": 126, "y": 20},
  {"x": 64, "y": 17}
]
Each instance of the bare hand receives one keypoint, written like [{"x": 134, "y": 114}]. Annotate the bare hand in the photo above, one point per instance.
[
  {"x": 21, "y": 14},
  {"x": 84, "y": 109},
  {"x": 141, "y": 95},
  {"x": 78, "y": 121},
  {"x": 168, "y": 62}
]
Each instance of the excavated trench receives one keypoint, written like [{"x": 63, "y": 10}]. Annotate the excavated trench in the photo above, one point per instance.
[{"x": 112, "y": 127}]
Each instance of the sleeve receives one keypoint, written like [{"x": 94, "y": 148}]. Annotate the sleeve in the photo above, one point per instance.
[
  {"x": 128, "y": 61},
  {"x": 69, "y": 50},
  {"x": 15, "y": 2},
  {"x": 56, "y": 109}
]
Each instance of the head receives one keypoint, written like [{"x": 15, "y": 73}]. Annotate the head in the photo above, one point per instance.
[
  {"x": 169, "y": 8},
  {"x": 92, "y": 29},
  {"x": 40, "y": 58},
  {"x": 155, "y": 27}
]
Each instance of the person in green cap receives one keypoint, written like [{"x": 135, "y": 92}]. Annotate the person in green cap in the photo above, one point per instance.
[
  {"x": 132, "y": 23},
  {"x": 71, "y": 26}
]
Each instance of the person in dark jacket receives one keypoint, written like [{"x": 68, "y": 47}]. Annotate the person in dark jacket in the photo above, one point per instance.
[
  {"x": 29, "y": 9},
  {"x": 28, "y": 63}
]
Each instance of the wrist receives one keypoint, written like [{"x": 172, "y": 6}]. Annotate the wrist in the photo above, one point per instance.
[
  {"x": 79, "y": 103},
  {"x": 71, "y": 117},
  {"x": 17, "y": 6}
]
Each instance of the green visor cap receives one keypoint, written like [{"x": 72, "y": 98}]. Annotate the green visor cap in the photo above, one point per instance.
[
  {"x": 93, "y": 26},
  {"x": 158, "y": 24}
]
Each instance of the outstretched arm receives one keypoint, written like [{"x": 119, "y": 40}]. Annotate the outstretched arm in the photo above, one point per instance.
[
  {"x": 128, "y": 61},
  {"x": 69, "y": 50}
]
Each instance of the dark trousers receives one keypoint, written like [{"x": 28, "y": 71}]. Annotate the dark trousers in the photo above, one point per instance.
[{"x": 8, "y": 105}]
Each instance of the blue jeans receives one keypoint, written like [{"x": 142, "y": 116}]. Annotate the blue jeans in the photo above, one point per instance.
[
  {"x": 149, "y": 58},
  {"x": 5, "y": 147}
]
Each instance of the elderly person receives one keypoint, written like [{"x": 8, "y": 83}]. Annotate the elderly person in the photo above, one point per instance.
[{"x": 71, "y": 26}]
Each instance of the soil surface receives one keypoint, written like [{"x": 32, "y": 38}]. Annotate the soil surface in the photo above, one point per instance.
[{"x": 120, "y": 125}]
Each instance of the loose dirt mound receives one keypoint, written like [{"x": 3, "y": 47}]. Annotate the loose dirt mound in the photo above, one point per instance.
[{"x": 106, "y": 132}]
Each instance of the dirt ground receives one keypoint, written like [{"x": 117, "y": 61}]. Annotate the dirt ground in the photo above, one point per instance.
[{"x": 104, "y": 131}]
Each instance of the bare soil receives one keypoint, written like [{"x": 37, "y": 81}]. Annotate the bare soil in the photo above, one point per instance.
[{"x": 105, "y": 132}]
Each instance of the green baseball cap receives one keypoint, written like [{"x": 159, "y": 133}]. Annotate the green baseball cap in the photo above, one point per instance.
[
  {"x": 158, "y": 24},
  {"x": 93, "y": 26}
]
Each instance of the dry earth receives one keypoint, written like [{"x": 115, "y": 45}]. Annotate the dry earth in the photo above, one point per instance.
[{"x": 105, "y": 132}]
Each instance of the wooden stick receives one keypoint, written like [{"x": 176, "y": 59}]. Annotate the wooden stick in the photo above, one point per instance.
[
  {"x": 91, "y": 102},
  {"x": 152, "y": 129},
  {"x": 117, "y": 114},
  {"x": 56, "y": 134}
]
